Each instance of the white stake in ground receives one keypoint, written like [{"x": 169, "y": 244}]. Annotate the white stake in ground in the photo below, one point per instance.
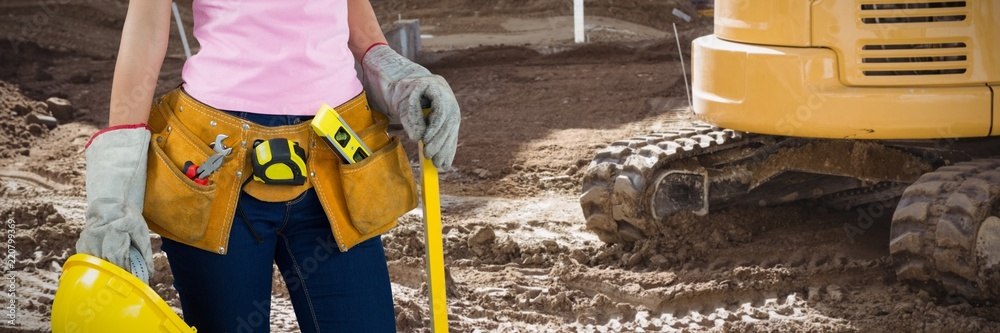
[
  {"x": 180, "y": 29},
  {"x": 578, "y": 21},
  {"x": 680, "y": 52}
]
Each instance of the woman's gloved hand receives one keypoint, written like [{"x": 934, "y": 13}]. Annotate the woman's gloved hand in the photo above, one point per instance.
[
  {"x": 116, "y": 187},
  {"x": 401, "y": 88}
]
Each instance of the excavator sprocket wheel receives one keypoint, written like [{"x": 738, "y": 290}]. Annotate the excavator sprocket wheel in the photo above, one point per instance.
[{"x": 624, "y": 178}]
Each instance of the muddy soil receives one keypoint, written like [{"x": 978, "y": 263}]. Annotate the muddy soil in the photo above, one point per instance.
[{"x": 517, "y": 252}]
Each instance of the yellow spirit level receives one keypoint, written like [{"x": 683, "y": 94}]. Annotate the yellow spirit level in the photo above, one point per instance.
[{"x": 332, "y": 128}]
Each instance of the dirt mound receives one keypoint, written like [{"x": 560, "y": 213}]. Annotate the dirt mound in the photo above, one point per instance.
[
  {"x": 89, "y": 28},
  {"x": 16, "y": 133},
  {"x": 487, "y": 55},
  {"x": 39, "y": 150},
  {"x": 650, "y": 13},
  {"x": 43, "y": 229},
  {"x": 43, "y": 240}
]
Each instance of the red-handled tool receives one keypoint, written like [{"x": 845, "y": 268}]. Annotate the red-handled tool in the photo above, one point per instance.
[
  {"x": 199, "y": 174},
  {"x": 191, "y": 171}
]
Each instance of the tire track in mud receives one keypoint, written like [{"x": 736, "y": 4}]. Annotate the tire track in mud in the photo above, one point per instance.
[
  {"x": 787, "y": 269},
  {"x": 739, "y": 294},
  {"x": 36, "y": 292},
  {"x": 34, "y": 179}
]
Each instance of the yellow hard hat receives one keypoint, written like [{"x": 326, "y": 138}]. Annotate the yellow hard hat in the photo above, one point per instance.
[{"x": 97, "y": 296}]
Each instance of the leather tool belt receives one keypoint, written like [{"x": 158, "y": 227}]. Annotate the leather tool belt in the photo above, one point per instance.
[{"x": 361, "y": 200}]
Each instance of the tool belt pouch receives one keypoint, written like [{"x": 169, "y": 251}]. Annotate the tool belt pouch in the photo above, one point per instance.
[
  {"x": 361, "y": 200},
  {"x": 380, "y": 188},
  {"x": 175, "y": 206}
]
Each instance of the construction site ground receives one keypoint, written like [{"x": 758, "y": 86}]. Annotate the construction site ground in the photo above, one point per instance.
[{"x": 535, "y": 109}]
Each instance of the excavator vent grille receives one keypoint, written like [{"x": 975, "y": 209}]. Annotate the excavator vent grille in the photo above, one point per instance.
[
  {"x": 895, "y": 12},
  {"x": 930, "y": 57}
]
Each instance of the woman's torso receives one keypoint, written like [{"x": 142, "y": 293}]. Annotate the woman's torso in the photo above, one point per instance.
[{"x": 271, "y": 56}]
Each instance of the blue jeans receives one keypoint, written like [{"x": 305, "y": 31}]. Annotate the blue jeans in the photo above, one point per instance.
[{"x": 331, "y": 291}]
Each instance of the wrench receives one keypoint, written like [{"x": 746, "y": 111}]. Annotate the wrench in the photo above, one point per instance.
[{"x": 214, "y": 162}]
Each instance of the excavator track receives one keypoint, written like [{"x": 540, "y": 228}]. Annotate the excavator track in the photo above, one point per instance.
[
  {"x": 632, "y": 187},
  {"x": 945, "y": 232},
  {"x": 615, "y": 185}
]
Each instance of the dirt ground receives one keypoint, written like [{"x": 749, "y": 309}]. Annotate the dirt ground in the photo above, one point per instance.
[{"x": 535, "y": 109}]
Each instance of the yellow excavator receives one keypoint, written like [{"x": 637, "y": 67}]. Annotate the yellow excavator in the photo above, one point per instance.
[{"x": 848, "y": 103}]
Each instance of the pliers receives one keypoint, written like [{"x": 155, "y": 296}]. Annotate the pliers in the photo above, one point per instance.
[{"x": 199, "y": 173}]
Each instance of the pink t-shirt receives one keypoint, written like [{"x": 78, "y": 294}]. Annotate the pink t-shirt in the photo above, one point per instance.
[{"x": 271, "y": 56}]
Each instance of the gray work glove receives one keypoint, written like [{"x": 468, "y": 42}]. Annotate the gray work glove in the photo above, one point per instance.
[
  {"x": 116, "y": 186},
  {"x": 400, "y": 88}
]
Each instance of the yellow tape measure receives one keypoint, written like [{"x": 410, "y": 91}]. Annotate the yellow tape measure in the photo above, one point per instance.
[
  {"x": 435, "y": 246},
  {"x": 278, "y": 161}
]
